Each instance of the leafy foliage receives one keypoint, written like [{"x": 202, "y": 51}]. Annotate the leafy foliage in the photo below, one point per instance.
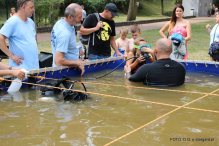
[
  {"x": 168, "y": 13},
  {"x": 216, "y": 3},
  {"x": 47, "y": 11}
]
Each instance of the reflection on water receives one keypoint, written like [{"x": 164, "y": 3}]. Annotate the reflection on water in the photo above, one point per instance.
[{"x": 26, "y": 120}]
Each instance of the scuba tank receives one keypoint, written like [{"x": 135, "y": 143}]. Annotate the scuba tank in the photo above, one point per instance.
[{"x": 67, "y": 94}]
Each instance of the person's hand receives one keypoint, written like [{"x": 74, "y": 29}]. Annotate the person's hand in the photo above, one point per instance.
[
  {"x": 119, "y": 54},
  {"x": 81, "y": 52},
  {"x": 81, "y": 67},
  {"x": 146, "y": 49},
  {"x": 99, "y": 25},
  {"x": 127, "y": 68},
  {"x": 17, "y": 59},
  {"x": 208, "y": 26},
  {"x": 141, "y": 59},
  {"x": 18, "y": 68},
  {"x": 18, "y": 73}
]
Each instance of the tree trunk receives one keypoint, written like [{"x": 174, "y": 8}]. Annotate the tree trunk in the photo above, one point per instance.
[
  {"x": 132, "y": 12},
  {"x": 162, "y": 7}
]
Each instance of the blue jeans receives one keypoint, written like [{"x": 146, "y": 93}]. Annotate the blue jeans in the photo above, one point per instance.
[{"x": 95, "y": 57}]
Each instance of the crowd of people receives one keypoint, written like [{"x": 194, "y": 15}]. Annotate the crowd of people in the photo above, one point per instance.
[{"x": 100, "y": 27}]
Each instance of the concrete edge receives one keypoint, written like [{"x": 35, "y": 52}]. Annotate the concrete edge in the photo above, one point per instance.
[{"x": 117, "y": 24}]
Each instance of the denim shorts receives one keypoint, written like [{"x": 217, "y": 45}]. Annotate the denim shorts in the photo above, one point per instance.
[{"x": 95, "y": 57}]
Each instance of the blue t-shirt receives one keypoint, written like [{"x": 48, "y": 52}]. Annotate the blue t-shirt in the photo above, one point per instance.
[
  {"x": 22, "y": 41},
  {"x": 214, "y": 34},
  {"x": 63, "y": 39},
  {"x": 83, "y": 14}
]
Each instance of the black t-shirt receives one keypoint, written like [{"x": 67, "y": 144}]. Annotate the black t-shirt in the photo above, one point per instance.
[
  {"x": 101, "y": 42},
  {"x": 164, "y": 72}
]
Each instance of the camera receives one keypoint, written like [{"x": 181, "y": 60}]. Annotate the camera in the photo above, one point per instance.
[{"x": 145, "y": 55}]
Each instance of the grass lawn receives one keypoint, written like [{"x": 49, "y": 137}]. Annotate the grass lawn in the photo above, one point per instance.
[{"x": 197, "y": 46}]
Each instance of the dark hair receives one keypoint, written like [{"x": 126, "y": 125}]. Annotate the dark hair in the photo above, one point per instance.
[
  {"x": 173, "y": 17},
  {"x": 20, "y": 3}
]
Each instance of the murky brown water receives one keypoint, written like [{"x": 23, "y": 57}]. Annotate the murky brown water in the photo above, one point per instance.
[{"x": 99, "y": 120}]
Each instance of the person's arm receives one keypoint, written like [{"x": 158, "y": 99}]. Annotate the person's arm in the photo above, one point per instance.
[
  {"x": 87, "y": 29},
  {"x": 117, "y": 43},
  {"x": 208, "y": 29},
  {"x": 7, "y": 70},
  {"x": 188, "y": 30},
  {"x": 4, "y": 48},
  {"x": 60, "y": 60},
  {"x": 139, "y": 76},
  {"x": 136, "y": 62},
  {"x": 166, "y": 26},
  {"x": 113, "y": 45},
  {"x": 16, "y": 73}
]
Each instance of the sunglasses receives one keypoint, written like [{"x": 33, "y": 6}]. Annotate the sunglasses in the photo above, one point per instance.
[{"x": 145, "y": 45}]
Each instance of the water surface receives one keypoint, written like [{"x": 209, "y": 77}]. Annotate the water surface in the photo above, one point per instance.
[{"x": 99, "y": 120}]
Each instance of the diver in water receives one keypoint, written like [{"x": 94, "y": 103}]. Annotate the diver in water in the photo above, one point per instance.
[{"x": 163, "y": 72}]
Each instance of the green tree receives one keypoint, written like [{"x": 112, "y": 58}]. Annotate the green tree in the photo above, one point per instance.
[{"x": 47, "y": 11}]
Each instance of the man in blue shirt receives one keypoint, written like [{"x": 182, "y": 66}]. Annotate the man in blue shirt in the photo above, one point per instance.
[
  {"x": 63, "y": 39},
  {"x": 20, "y": 32},
  {"x": 84, "y": 14}
]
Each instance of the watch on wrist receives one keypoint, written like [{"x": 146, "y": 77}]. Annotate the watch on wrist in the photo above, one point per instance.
[{"x": 10, "y": 68}]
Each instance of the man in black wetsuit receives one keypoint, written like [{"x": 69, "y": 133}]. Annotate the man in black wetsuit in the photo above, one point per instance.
[{"x": 163, "y": 72}]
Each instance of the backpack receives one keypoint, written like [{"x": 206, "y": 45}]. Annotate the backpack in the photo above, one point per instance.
[{"x": 85, "y": 39}]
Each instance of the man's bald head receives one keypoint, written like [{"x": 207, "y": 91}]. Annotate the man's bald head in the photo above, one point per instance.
[
  {"x": 164, "y": 45},
  {"x": 71, "y": 10}
]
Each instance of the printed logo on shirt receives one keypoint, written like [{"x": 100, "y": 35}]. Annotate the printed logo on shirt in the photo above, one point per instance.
[
  {"x": 105, "y": 33},
  {"x": 53, "y": 37},
  {"x": 167, "y": 65}
]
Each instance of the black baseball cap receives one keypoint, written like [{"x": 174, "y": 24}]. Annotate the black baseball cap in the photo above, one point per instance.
[{"x": 112, "y": 8}]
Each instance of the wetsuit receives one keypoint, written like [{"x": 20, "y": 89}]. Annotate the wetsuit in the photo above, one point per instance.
[{"x": 164, "y": 72}]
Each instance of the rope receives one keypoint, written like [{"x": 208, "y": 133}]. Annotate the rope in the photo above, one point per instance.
[
  {"x": 138, "y": 100},
  {"x": 156, "y": 89},
  {"x": 215, "y": 64},
  {"x": 96, "y": 63},
  {"x": 45, "y": 72},
  {"x": 157, "y": 119},
  {"x": 108, "y": 61},
  {"x": 195, "y": 63},
  {"x": 102, "y": 62},
  {"x": 61, "y": 69}
]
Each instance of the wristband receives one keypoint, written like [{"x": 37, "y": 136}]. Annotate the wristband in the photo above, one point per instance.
[{"x": 10, "y": 68}]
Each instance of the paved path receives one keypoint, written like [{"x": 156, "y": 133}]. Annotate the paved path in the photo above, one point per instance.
[{"x": 149, "y": 26}]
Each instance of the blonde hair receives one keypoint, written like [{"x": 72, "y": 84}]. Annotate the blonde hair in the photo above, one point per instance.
[
  {"x": 13, "y": 8},
  {"x": 138, "y": 40},
  {"x": 135, "y": 28},
  {"x": 216, "y": 14},
  {"x": 124, "y": 30}
]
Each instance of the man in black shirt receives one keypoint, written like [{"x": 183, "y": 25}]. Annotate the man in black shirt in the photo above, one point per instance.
[
  {"x": 104, "y": 38},
  {"x": 163, "y": 72}
]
